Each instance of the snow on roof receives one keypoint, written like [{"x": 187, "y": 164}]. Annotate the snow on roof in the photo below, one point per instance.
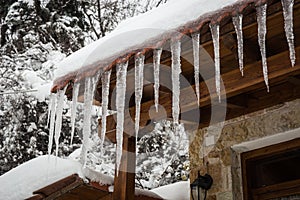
[
  {"x": 20, "y": 182},
  {"x": 133, "y": 32},
  {"x": 175, "y": 191},
  {"x": 148, "y": 193}
]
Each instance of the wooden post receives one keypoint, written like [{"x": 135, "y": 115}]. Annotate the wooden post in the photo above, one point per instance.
[{"x": 124, "y": 183}]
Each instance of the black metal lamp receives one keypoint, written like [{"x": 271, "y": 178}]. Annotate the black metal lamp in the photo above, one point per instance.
[{"x": 203, "y": 182}]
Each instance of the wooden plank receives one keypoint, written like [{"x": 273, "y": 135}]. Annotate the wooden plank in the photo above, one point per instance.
[{"x": 124, "y": 183}]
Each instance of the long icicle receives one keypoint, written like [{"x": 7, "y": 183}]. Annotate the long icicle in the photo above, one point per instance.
[
  {"x": 238, "y": 26},
  {"x": 156, "y": 69},
  {"x": 58, "y": 121},
  {"x": 196, "y": 50},
  {"x": 73, "y": 108},
  {"x": 262, "y": 31},
  {"x": 176, "y": 71},
  {"x": 105, "y": 95},
  {"x": 139, "y": 80},
  {"x": 90, "y": 85},
  {"x": 52, "y": 121},
  {"x": 120, "y": 104},
  {"x": 51, "y": 101},
  {"x": 287, "y": 6},
  {"x": 215, "y": 32}
]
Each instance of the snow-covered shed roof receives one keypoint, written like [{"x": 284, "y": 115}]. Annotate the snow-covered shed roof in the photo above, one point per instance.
[
  {"x": 20, "y": 182},
  {"x": 143, "y": 33},
  {"x": 48, "y": 176}
]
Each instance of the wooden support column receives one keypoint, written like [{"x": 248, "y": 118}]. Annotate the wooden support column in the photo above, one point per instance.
[{"x": 124, "y": 183}]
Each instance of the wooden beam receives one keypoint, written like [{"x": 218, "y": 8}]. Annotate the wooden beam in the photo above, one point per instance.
[
  {"x": 294, "y": 80},
  {"x": 124, "y": 183}
]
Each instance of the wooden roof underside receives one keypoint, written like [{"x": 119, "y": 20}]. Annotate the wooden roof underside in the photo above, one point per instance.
[{"x": 244, "y": 94}]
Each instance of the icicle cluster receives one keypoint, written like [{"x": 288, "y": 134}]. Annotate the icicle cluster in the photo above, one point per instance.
[
  {"x": 215, "y": 32},
  {"x": 120, "y": 104},
  {"x": 156, "y": 69},
  {"x": 73, "y": 108},
  {"x": 262, "y": 31},
  {"x": 196, "y": 50},
  {"x": 176, "y": 71},
  {"x": 90, "y": 84},
  {"x": 56, "y": 106},
  {"x": 139, "y": 79},
  {"x": 105, "y": 95},
  {"x": 238, "y": 26},
  {"x": 287, "y": 6}
]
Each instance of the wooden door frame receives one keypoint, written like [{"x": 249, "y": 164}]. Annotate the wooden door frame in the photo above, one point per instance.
[{"x": 276, "y": 190}]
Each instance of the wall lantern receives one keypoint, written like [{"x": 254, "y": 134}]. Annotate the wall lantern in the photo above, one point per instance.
[{"x": 203, "y": 182}]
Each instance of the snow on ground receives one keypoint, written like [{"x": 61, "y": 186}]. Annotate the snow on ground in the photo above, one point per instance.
[
  {"x": 138, "y": 30},
  {"x": 20, "y": 182},
  {"x": 175, "y": 191}
]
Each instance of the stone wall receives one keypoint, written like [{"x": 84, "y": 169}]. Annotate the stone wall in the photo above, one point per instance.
[{"x": 211, "y": 152}]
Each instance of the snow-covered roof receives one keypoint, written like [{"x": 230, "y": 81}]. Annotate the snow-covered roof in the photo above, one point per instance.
[
  {"x": 144, "y": 32},
  {"x": 20, "y": 182},
  {"x": 175, "y": 191}
]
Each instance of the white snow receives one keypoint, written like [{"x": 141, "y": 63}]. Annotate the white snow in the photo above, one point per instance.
[
  {"x": 41, "y": 86},
  {"x": 267, "y": 141},
  {"x": 138, "y": 30},
  {"x": 20, "y": 182},
  {"x": 175, "y": 191},
  {"x": 148, "y": 193}
]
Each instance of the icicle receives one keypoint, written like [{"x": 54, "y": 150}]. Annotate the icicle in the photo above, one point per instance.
[
  {"x": 52, "y": 121},
  {"x": 51, "y": 102},
  {"x": 176, "y": 70},
  {"x": 238, "y": 26},
  {"x": 139, "y": 79},
  {"x": 196, "y": 41},
  {"x": 287, "y": 6},
  {"x": 90, "y": 85},
  {"x": 156, "y": 66},
  {"x": 215, "y": 32},
  {"x": 120, "y": 104},
  {"x": 58, "y": 115},
  {"x": 73, "y": 108},
  {"x": 105, "y": 94},
  {"x": 262, "y": 31}
]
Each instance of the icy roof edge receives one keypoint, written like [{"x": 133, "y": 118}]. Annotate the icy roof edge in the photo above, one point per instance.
[{"x": 88, "y": 60}]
